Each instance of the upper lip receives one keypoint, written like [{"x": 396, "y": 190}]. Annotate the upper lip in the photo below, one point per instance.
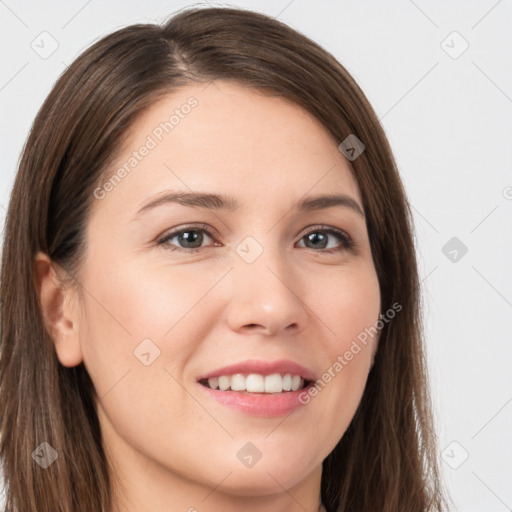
[{"x": 262, "y": 367}]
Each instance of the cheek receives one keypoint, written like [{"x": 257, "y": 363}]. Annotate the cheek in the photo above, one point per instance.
[
  {"x": 348, "y": 306},
  {"x": 349, "y": 312},
  {"x": 134, "y": 302},
  {"x": 136, "y": 338},
  {"x": 131, "y": 319}
]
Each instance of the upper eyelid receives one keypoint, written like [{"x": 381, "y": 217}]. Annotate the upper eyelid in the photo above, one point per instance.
[{"x": 212, "y": 230}]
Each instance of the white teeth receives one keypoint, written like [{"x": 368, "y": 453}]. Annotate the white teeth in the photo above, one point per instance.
[
  {"x": 224, "y": 382},
  {"x": 238, "y": 382},
  {"x": 256, "y": 383},
  {"x": 273, "y": 383},
  {"x": 296, "y": 382}
]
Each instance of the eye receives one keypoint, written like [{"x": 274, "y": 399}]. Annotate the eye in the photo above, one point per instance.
[
  {"x": 319, "y": 238},
  {"x": 192, "y": 237}
]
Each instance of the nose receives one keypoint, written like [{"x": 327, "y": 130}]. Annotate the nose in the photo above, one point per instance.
[{"x": 266, "y": 295}]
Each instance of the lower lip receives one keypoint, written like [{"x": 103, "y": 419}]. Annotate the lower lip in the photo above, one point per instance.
[{"x": 266, "y": 405}]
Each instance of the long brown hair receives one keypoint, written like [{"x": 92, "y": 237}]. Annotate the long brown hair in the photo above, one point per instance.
[{"x": 387, "y": 460}]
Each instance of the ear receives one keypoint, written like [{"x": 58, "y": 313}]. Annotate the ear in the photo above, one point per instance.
[{"x": 60, "y": 311}]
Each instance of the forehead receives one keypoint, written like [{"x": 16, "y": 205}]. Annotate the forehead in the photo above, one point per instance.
[{"x": 226, "y": 138}]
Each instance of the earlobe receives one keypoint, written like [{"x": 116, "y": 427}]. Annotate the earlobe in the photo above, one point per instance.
[{"x": 59, "y": 309}]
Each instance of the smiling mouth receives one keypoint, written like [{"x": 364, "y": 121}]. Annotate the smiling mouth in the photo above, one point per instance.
[{"x": 257, "y": 384}]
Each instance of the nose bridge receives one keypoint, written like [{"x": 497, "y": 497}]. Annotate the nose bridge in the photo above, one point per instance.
[
  {"x": 265, "y": 291},
  {"x": 258, "y": 262}
]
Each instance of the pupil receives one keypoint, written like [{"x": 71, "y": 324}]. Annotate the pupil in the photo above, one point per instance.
[
  {"x": 314, "y": 236},
  {"x": 187, "y": 237}
]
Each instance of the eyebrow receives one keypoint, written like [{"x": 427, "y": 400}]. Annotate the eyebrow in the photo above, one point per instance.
[{"x": 223, "y": 202}]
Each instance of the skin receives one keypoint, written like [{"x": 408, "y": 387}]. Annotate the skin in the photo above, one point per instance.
[{"x": 172, "y": 447}]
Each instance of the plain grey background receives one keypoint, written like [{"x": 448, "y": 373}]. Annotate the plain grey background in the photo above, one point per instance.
[{"x": 439, "y": 76}]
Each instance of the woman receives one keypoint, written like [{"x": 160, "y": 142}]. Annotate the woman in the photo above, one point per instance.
[{"x": 209, "y": 287}]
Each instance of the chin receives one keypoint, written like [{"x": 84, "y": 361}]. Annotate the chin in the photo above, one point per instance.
[{"x": 254, "y": 482}]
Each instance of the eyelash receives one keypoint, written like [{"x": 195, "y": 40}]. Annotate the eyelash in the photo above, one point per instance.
[{"x": 347, "y": 243}]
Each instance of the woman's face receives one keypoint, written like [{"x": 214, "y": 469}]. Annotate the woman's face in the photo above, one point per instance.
[{"x": 265, "y": 282}]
